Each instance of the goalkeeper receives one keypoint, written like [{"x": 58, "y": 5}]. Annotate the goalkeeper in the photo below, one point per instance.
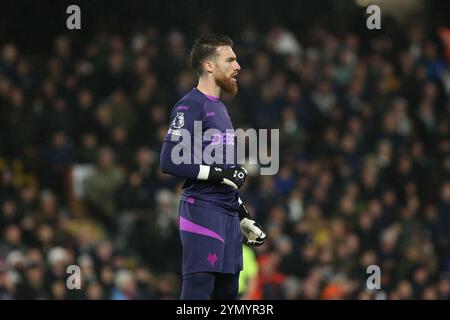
[{"x": 213, "y": 218}]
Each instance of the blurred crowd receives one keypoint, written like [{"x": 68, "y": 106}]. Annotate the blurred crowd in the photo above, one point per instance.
[{"x": 364, "y": 177}]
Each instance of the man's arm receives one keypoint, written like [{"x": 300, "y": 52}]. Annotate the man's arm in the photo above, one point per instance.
[
  {"x": 190, "y": 171},
  {"x": 234, "y": 176}
]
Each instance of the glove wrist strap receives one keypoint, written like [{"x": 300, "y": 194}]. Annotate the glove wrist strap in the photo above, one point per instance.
[
  {"x": 243, "y": 212},
  {"x": 214, "y": 175}
]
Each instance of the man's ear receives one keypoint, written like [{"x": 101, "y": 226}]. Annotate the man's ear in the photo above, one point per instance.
[{"x": 208, "y": 65}]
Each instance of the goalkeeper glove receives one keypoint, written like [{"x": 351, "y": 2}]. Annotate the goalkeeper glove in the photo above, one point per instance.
[
  {"x": 233, "y": 177},
  {"x": 250, "y": 228}
]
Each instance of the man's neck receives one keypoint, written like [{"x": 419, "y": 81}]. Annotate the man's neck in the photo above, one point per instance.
[{"x": 208, "y": 87}]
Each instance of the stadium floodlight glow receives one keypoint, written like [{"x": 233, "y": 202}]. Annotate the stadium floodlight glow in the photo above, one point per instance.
[{"x": 363, "y": 3}]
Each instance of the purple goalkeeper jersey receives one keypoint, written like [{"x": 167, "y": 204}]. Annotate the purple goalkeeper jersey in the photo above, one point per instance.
[{"x": 213, "y": 114}]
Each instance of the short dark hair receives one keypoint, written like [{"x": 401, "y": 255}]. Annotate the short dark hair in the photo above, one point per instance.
[{"x": 205, "y": 47}]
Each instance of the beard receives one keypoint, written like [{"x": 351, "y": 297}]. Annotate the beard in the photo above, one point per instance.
[{"x": 227, "y": 84}]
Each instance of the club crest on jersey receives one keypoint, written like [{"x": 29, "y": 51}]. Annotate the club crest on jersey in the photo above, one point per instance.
[{"x": 178, "y": 122}]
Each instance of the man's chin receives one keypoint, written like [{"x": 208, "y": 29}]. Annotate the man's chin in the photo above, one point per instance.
[
  {"x": 233, "y": 90},
  {"x": 228, "y": 86}
]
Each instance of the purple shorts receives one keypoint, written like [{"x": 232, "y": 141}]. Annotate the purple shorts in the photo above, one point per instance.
[{"x": 211, "y": 238}]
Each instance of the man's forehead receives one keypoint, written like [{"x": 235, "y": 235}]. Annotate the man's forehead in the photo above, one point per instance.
[{"x": 226, "y": 51}]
